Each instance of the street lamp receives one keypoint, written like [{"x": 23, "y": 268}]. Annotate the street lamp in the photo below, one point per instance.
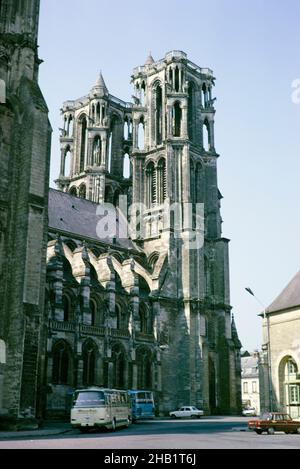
[{"x": 267, "y": 321}]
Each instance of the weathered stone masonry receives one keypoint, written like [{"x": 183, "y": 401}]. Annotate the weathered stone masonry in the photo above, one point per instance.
[
  {"x": 24, "y": 167},
  {"x": 168, "y": 136},
  {"x": 144, "y": 312}
]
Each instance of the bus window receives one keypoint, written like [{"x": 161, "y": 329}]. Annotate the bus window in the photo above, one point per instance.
[{"x": 88, "y": 399}]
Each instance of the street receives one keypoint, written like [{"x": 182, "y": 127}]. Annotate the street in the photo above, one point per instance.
[{"x": 207, "y": 433}]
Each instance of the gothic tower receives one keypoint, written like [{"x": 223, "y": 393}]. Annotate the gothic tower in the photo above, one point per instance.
[
  {"x": 25, "y": 135},
  {"x": 94, "y": 150},
  {"x": 167, "y": 136},
  {"x": 175, "y": 169}
]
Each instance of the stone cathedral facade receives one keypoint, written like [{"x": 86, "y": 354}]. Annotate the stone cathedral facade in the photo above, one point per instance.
[
  {"x": 144, "y": 312},
  {"x": 133, "y": 307}
]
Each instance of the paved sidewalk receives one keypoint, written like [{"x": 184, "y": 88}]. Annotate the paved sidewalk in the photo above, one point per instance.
[{"x": 47, "y": 429}]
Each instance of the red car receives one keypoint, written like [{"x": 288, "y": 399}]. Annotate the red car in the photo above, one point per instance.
[{"x": 274, "y": 422}]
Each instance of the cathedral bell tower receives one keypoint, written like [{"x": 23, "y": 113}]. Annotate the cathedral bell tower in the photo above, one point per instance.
[
  {"x": 175, "y": 170},
  {"x": 174, "y": 157},
  {"x": 93, "y": 146}
]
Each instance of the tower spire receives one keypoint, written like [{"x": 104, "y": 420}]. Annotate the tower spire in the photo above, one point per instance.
[
  {"x": 150, "y": 59},
  {"x": 100, "y": 87}
]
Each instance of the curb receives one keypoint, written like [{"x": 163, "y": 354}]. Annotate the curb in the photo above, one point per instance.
[{"x": 32, "y": 434}]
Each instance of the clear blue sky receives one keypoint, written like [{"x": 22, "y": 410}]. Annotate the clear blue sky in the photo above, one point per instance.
[{"x": 253, "y": 48}]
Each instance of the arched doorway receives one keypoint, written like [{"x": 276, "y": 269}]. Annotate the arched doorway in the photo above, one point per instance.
[{"x": 289, "y": 387}]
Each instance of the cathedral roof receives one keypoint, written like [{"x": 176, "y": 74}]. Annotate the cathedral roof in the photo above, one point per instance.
[
  {"x": 289, "y": 298},
  {"x": 74, "y": 216}
]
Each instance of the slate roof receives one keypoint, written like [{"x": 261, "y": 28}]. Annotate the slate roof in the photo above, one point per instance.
[
  {"x": 69, "y": 214},
  {"x": 289, "y": 298},
  {"x": 250, "y": 367}
]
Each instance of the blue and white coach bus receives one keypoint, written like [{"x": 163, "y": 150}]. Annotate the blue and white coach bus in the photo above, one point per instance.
[{"x": 142, "y": 405}]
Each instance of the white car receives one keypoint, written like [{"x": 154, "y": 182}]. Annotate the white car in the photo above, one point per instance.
[
  {"x": 249, "y": 412},
  {"x": 187, "y": 412}
]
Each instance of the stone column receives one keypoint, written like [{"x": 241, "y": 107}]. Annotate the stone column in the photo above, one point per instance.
[
  {"x": 212, "y": 134},
  {"x": 169, "y": 121},
  {"x": 110, "y": 374},
  {"x": 180, "y": 79},
  {"x": 134, "y": 376},
  {"x": 62, "y": 162},
  {"x": 184, "y": 121}
]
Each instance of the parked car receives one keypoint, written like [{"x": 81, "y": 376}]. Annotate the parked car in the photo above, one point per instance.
[
  {"x": 187, "y": 412},
  {"x": 274, "y": 422},
  {"x": 249, "y": 412}
]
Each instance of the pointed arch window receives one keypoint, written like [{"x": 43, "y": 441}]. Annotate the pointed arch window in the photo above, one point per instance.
[
  {"x": 177, "y": 81},
  {"x": 89, "y": 364},
  {"x": 98, "y": 113},
  {"x": 141, "y": 134},
  {"x": 62, "y": 373},
  {"x": 158, "y": 115},
  {"x": 67, "y": 162},
  {"x": 206, "y": 136},
  {"x": 119, "y": 367},
  {"x": 73, "y": 191},
  {"x": 143, "y": 94},
  {"x": 144, "y": 368},
  {"x": 162, "y": 181},
  {"x": 83, "y": 146},
  {"x": 151, "y": 192},
  {"x": 191, "y": 112},
  {"x": 205, "y": 96},
  {"x": 177, "y": 116},
  {"x": 70, "y": 129},
  {"x": 127, "y": 169},
  {"x": 67, "y": 306},
  {"x": 146, "y": 325},
  {"x": 96, "y": 155}
]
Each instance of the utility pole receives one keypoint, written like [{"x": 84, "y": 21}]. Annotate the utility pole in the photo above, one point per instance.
[{"x": 267, "y": 322}]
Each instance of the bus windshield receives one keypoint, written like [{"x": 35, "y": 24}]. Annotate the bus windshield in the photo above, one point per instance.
[{"x": 89, "y": 399}]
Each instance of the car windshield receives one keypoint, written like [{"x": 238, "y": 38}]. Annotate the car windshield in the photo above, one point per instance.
[
  {"x": 89, "y": 399},
  {"x": 266, "y": 417}
]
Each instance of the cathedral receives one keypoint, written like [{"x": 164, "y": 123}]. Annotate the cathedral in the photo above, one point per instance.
[{"x": 121, "y": 275}]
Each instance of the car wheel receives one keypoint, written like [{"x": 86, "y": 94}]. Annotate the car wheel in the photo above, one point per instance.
[
  {"x": 271, "y": 431},
  {"x": 259, "y": 432},
  {"x": 198, "y": 416},
  {"x": 113, "y": 425},
  {"x": 173, "y": 416},
  {"x": 298, "y": 431},
  {"x": 128, "y": 422}
]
